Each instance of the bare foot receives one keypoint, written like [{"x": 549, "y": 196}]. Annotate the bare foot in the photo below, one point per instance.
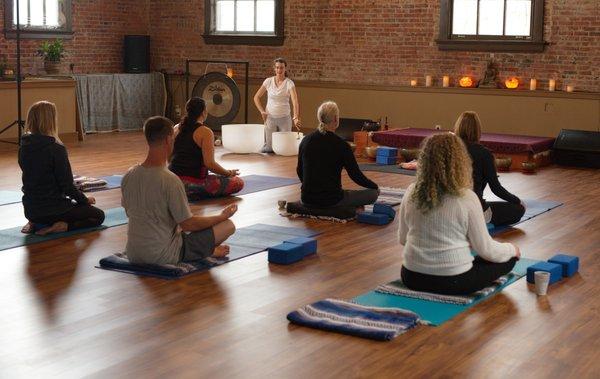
[
  {"x": 28, "y": 228},
  {"x": 57, "y": 227},
  {"x": 221, "y": 251}
]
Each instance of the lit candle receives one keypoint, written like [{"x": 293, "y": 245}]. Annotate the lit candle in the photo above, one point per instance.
[
  {"x": 532, "y": 84},
  {"x": 428, "y": 81},
  {"x": 413, "y": 83},
  {"x": 551, "y": 85},
  {"x": 446, "y": 81},
  {"x": 570, "y": 88},
  {"x": 230, "y": 72}
]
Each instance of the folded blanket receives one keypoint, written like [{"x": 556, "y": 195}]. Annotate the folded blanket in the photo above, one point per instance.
[
  {"x": 398, "y": 288},
  {"x": 85, "y": 183},
  {"x": 381, "y": 324},
  {"x": 390, "y": 195},
  {"x": 336, "y": 214},
  {"x": 119, "y": 262}
]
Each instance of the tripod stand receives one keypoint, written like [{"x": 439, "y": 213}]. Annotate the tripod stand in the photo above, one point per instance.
[{"x": 19, "y": 122}]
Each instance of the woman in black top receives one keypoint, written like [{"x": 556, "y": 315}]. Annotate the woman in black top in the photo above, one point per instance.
[
  {"x": 194, "y": 155},
  {"x": 321, "y": 157},
  {"x": 51, "y": 201},
  {"x": 510, "y": 211}
]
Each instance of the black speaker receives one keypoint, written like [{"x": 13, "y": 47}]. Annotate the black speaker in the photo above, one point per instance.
[
  {"x": 136, "y": 54},
  {"x": 577, "y": 148}
]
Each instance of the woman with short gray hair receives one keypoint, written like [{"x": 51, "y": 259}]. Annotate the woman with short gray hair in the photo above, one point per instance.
[{"x": 321, "y": 158}]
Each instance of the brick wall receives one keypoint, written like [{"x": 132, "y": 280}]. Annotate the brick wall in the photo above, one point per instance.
[
  {"x": 99, "y": 26},
  {"x": 382, "y": 42}
]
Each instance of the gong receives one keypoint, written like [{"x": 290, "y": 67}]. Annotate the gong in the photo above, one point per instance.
[{"x": 222, "y": 98}]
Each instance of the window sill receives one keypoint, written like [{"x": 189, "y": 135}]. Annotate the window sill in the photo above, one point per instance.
[
  {"x": 483, "y": 45},
  {"x": 38, "y": 34},
  {"x": 242, "y": 39}
]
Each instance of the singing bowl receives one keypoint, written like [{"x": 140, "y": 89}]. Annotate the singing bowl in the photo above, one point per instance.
[
  {"x": 286, "y": 143},
  {"x": 243, "y": 138},
  {"x": 371, "y": 152},
  {"x": 503, "y": 164}
]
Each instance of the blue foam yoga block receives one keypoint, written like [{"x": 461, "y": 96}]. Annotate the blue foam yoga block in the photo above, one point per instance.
[
  {"x": 385, "y": 160},
  {"x": 286, "y": 253},
  {"x": 386, "y": 151},
  {"x": 384, "y": 209},
  {"x": 309, "y": 245},
  {"x": 554, "y": 269},
  {"x": 569, "y": 263},
  {"x": 373, "y": 218}
]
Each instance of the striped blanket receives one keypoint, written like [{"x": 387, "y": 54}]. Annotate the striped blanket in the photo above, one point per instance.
[
  {"x": 390, "y": 195},
  {"x": 399, "y": 289},
  {"x": 381, "y": 324},
  {"x": 85, "y": 183}
]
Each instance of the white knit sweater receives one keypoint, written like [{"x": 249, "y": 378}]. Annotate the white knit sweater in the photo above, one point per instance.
[{"x": 439, "y": 242}]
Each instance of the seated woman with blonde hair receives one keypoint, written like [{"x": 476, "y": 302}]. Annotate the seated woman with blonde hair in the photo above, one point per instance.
[
  {"x": 441, "y": 221},
  {"x": 194, "y": 155},
  {"x": 50, "y": 198},
  {"x": 510, "y": 211}
]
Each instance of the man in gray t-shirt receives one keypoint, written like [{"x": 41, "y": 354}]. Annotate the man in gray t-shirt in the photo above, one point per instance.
[{"x": 156, "y": 204}]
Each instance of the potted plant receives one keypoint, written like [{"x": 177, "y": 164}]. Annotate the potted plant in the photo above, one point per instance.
[{"x": 52, "y": 52}]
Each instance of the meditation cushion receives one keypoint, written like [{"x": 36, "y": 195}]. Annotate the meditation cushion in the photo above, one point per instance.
[
  {"x": 386, "y": 151},
  {"x": 384, "y": 209},
  {"x": 286, "y": 253},
  {"x": 373, "y": 218},
  {"x": 343, "y": 213},
  {"x": 569, "y": 264},
  {"x": 309, "y": 245},
  {"x": 385, "y": 160},
  {"x": 554, "y": 269}
]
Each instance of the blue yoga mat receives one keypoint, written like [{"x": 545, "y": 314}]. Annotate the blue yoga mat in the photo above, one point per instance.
[
  {"x": 245, "y": 242},
  {"x": 257, "y": 183},
  {"x": 10, "y": 197},
  {"x": 435, "y": 312},
  {"x": 392, "y": 168},
  {"x": 112, "y": 182},
  {"x": 533, "y": 209},
  {"x": 13, "y": 237}
]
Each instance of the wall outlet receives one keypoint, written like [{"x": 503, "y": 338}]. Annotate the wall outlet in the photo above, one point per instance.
[{"x": 548, "y": 107}]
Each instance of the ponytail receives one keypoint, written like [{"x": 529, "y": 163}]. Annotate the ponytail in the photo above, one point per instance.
[
  {"x": 194, "y": 109},
  {"x": 326, "y": 114}
]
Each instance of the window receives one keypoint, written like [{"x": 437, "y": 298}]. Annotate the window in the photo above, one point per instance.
[
  {"x": 492, "y": 25},
  {"x": 244, "y": 22},
  {"x": 38, "y": 18}
]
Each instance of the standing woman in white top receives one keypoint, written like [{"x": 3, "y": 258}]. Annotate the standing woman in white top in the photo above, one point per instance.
[
  {"x": 441, "y": 222},
  {"x": 277, "y": 115}
]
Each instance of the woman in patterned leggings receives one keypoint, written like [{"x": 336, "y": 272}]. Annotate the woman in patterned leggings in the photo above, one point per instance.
[{"x": 194, "y": 156}]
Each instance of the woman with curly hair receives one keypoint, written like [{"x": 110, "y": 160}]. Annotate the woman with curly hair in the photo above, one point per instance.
[
  {"x": 441, "y": 221},
  {"x": 510, "y": 211}
]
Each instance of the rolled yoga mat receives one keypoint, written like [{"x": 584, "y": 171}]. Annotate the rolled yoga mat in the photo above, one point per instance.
[{"x": 13, "y": 237}]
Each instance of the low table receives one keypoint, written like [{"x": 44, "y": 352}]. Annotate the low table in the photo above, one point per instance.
[{"x": 519, "y": 148}]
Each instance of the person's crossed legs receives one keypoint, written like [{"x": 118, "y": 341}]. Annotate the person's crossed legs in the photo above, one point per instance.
[{"x": 208, "y": 242}]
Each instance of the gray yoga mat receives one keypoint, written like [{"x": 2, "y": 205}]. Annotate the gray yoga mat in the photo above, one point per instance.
[
  {"x": 13, "y": 237},
  {"x": 392, "y": 169}
]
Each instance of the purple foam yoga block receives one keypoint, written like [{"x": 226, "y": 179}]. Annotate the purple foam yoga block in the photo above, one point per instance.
[
  {"x": 286, "y": 253},
  {"x": 569, "y": 263},
  {"x": 373, "y": 218},
  {"x": 309, "y": 245},
  {"x": 554, "y": 269}
]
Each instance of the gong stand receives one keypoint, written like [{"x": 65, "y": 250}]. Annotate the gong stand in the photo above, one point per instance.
[
  {"x": 19, "y": 122},
  {"x": 246, "y": 66}
]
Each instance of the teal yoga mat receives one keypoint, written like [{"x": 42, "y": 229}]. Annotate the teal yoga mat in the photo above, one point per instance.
[
  {"x": 434, "y": 312},
  {"x": 10, "y": 197},
  {"x": 13, "y": 237}
]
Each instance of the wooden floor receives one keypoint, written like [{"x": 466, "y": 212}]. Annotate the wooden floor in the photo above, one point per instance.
[{"x": 61, "y": 317}]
